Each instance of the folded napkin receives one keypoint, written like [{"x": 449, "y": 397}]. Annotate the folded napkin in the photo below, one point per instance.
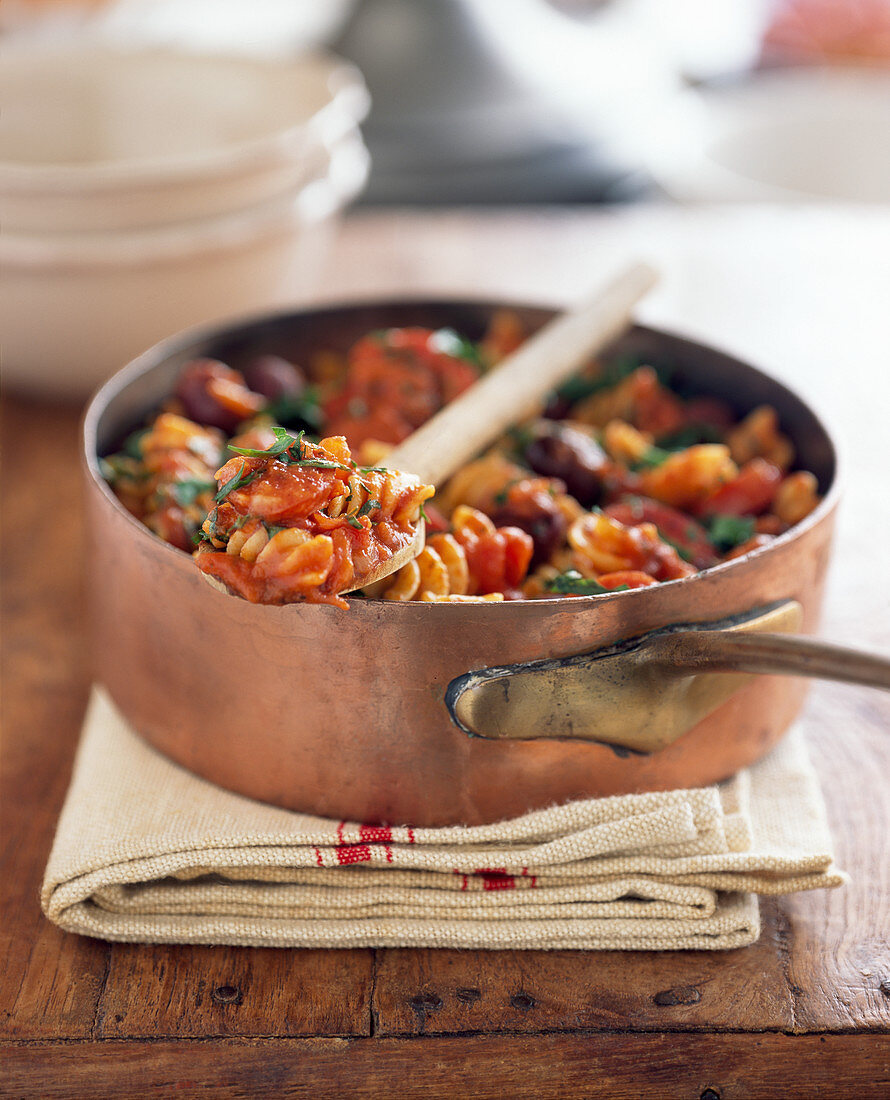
[{"x": 146, "y": 851}]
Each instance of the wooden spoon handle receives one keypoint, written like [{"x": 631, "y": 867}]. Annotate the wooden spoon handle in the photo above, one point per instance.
[
  {"x": 517, "y": 388},
  {"x": 779, "y": 654}
]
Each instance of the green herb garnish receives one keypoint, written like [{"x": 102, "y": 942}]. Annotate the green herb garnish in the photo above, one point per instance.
[
  {"x": 571, "y": 583},
  {"x": 240, "y": 479},
  {"x": 297, "y": 409},
  {"x": 120, "y": 466},
  {"x": 690, "y": 436},
  {"x": 283, "y": 442},
  {"x": 319, "y": 464},
  {"x": 187, "y": 492},
  {"x": 585, "y": 385},
  {"x": 353, "y": 522},
  {"x": 501, "y": 497},
  {"x": 132, "y": 443},
  {"x": 522, "y": 436},
  {"x": 681, "y": 550},
  {"x": 727, "y": 532},
  {"x": 368, "y": 506},
  {"x": 290, "y": 448},
  {"x": 108, "y": 470},
  {"x": 449, "y": 342},
  {"x": 653, "y": 457}
]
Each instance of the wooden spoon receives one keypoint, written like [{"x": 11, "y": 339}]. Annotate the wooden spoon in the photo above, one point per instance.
[{"x": 514, "y": 391}]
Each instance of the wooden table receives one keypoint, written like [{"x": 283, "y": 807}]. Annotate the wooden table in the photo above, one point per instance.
[{"x": 804, "y": 1012}]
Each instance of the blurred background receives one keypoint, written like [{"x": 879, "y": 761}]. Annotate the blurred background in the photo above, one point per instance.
[
  {"x": 492, "y": 101},
  {"x": 182, "y": 160}
]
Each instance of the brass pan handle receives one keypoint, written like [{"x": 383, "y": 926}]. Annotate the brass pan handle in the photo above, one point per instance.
[
  {"x": 643, "y": 694},
  {"x": 776, "y": 654}
]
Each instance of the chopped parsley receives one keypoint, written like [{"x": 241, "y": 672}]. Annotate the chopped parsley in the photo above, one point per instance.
[
  {"x": 290, "y": 449},
  {"x": 132, "y": 444},
  {"x": 690, "y": 436},
  {"x": 585, "y": 385},
  {"x": 727, "y": 532},
  {"x": 501, "y": 497},
  {"x": 297, "y": 410},
  {"x": 318, "y": 464},
  {"x": 571, "y": 583},
  {"x": 119, "y": 466},
  {"x": 682, "y": 550},
  {"x": 187, "y": 492},
  {"x": 368, "y": 506},
  {"x": 242, "y": 478},
  {"x": 651, "y": 458},
  {"x": 522, "y": 437},
  {"x": 283, "y": 442},
  {"x": 213, "y": 531}
]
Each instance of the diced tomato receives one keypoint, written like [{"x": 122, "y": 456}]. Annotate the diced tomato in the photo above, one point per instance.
[
  {"x": 617, "y": 481},
  {"x": 625, "y": 578},
  {"x": 748, "y": 494},
  {"x": 486, "y": 561},
  {"x": 769, "y": 525},
  {"x": 710, "y": 412},
  {"x": 455, "y": 376},
  {"x": 436, "y": 523},
  {"x": 382, "y": 423},
  {"x": 397, "y": 380},
  {"x": 519, "y": 549},
  {"x": 498, "y": 560},
  {"x": 673, "y": 525},
  {"x": 656, "y": 409}
]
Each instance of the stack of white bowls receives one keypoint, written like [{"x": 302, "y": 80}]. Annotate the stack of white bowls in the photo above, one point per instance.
[{"x": 142, "y": 192}]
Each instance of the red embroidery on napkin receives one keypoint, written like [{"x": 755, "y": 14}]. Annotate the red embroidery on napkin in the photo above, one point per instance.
[
  {"x": 495, "y": 878},
  {"x": 375, "y": 834},
  {"x": 534, "y": 878},
  {"x": 318, "y": 858},
  {"x": 410, "y": 836},
  {"x": 354, "y": 853}
]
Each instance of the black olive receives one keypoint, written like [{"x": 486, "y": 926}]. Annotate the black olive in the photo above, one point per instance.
[
  {"x": 540, "y": 517},
  {"x": 558, "y": 408},
  {"x": 197, "y": 403},
  {"x": 274, "y": 377},
  {"x": 573, "y": 457}
]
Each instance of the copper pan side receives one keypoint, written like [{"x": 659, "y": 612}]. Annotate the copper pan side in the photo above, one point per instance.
[{"x": 343, "y": 714}]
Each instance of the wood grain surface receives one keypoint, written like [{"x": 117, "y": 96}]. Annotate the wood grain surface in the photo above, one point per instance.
[
  {"x": 806, "y": 1008},
  {"x": 618, "y": 1065}
]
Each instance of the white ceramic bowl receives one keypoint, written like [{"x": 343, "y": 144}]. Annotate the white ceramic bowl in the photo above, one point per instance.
[
  {"x": 95, "y": 138},
  {"x": 790, "y": 135},
  {"x": 75, "y": 307}
]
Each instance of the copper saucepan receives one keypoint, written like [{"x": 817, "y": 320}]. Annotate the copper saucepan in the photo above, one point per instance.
[{"x": 417, "y": 713}]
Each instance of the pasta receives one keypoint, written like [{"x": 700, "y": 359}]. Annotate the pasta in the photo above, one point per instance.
[
  {"x": 623, "y": 483},
  {"x": 299, "y": 521}
]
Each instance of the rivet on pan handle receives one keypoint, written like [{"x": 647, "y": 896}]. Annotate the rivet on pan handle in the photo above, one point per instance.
[{"x": 645, "y": 693}]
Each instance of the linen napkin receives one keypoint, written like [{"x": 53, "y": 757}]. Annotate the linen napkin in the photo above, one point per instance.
[{"x": 146, "y": 851}]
